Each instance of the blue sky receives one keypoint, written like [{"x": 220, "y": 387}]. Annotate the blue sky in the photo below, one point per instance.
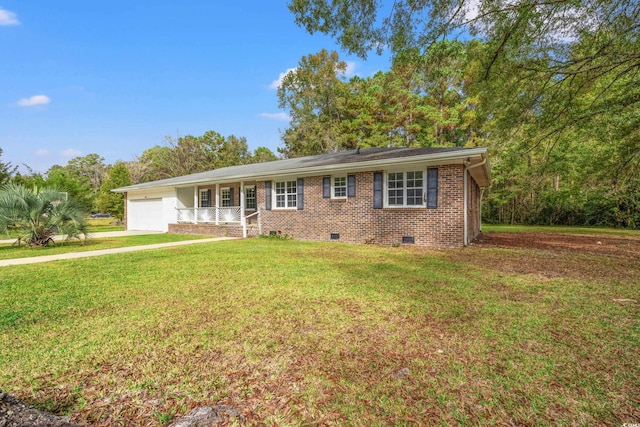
[{"x": 114, "y": 78}]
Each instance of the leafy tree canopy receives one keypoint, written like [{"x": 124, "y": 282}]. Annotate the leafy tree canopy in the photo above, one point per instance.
[
  {"x": 547, "y": 52},
  {"x": 6, "y": 170},
  {"x": 108, "y": 201},
  {"x": 191, "y": 154}
]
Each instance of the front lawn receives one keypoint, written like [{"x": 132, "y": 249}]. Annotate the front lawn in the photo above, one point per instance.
[
  {"x": 103, "y": 224},
  {"x": 12, "y": 251},
  {"x": 300, "y": 333}
]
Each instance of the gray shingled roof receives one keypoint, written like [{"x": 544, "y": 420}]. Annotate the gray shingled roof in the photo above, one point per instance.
[{"x": 342, "y": 158}]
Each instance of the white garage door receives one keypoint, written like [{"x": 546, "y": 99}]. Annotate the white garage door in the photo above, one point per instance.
[{"x": 146, "y": 215}]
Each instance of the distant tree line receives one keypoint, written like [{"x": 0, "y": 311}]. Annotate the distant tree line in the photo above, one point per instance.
[{"x": 88, "y": 180}]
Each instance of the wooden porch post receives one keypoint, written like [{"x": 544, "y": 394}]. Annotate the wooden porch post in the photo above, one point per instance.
[
  {"x": 217, "y": 203},
  {"x": 243, "y": 219},
  {"x": 195, "y": 204}
]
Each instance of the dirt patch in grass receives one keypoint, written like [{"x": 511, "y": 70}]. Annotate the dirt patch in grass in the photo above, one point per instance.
[
  {"x": 571, "y": 243},
  {"x": 552, "y": 255},
  {"x": 14, "y": 413}
]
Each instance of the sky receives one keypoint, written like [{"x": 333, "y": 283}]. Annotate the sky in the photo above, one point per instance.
[{"x": 115, "y": 78}]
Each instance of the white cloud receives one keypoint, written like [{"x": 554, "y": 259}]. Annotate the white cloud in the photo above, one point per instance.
[
  {"x": 472, "y": 10},
  {"x": 71, "y": 152},
  {"x": 351, "y": 69},
  {"x": 42, "y": 152},
  {"x": 283, "y": 117},
  {"x": 34, "y": 100},
  {"x": 277, "y": 83},
  {"x": 8, "y": 17}
]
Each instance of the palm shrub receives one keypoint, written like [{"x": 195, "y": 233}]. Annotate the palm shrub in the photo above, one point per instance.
[{"x": 34, "y": 214}]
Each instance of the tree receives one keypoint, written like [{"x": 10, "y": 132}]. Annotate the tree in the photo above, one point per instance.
[
  {"x": 108, "y": 201},
  {"x": 6, "y": 170},
  {"x": 30, "y": 179},
  {"x": 262, "y": 155},
  {"x": 313, "y": 93},
  {"x": 422, "y": 101},
  {"x": 560, "y": 49},
  {"x": 80, "y": 178},
  {"x": 76, "y": 186},
  {"x": 191, "y": 154},
  {"x": 35, "y": 214}
]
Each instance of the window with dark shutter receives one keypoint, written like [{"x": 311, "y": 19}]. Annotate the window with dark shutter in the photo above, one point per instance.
[
  {"x": 267, "y": 195},
  {"x": 231, "y": 203},
  {"x": 300, "y": 194},
  {"x": 351, "y": 186},
  {"x": 377, "y": 190},
  {"x": 326, "y": 187},
  {"x": 432, "y": 188}
]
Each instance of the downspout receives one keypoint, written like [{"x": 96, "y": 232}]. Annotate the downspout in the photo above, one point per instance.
[
  {"x": 465, "y": 239},
  {"x": 466, "y": 220}
]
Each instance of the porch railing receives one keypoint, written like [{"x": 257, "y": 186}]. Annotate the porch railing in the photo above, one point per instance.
[{"x": 210, "y": 215}]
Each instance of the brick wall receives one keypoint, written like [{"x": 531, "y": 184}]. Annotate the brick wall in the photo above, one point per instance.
[
  {"x": 356, "y": 221},
  {"x": 207, "y": 230}
]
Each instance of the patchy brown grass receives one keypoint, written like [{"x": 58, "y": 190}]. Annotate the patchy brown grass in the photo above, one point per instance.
[
  {"x": 297, "y": 333},
  {"x": 556, "y": 255}
]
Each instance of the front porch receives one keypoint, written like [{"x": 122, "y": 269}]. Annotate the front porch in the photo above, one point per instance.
[{"x": 209, "y": 209}]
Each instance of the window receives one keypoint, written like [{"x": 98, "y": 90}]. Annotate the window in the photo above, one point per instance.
[
  {"x": 405, "y": 188},
  {"x": 250, "y": 197},
  {"x": 286, "y": 196},
  {"x": 339, "y": 187},
  {"x": 205, "y": 198},
  {"x": 226, "y": 197}
]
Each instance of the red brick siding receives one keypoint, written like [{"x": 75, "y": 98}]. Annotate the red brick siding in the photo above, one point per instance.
[
  {"x": 357, "y": 221},
  {"x": 211, "y": 230}
]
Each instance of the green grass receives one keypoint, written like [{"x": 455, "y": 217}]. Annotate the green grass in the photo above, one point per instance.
[
  {"x": 507, "y": 228},
  {"x": 103, "y": 224},
  {"x": 297, "y": 333},
  {"x": 11, "y": 251}
]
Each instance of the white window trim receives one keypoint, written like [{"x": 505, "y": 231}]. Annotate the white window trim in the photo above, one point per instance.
[
  {"x": 205, "y": 192},
  {"x": 333, "y": 187},
  {"x": 274, "y": 195},
  {"x": 385, "y": 189},
  {"x": 222, "y": 189},
  {"x": 255, "y": 197}
]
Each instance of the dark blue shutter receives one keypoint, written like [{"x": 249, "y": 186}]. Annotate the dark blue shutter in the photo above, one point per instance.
[
  {"x": 326, "y": 187},
  {"x": 300, "y": 201},
  {"x": 432, "y": 188},
  {"x": 208, "y": 199},
  {"x": 351, "y": 186},
  {"x": 267, "y": 195},
  {"x": 377, "y": 190},
  {"x": 231, "y": 197}
]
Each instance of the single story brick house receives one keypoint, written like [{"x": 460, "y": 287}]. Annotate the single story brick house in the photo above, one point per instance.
[{"x": 421, "y": 196}]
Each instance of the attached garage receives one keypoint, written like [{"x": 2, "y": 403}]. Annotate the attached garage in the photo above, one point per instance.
[{"x": 146, "y": 214}]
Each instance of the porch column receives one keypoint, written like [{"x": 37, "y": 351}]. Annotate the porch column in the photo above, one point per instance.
[
  {"x": 217, "y": 203},
  {"x": 243, "y": 219},
  {"x": 195, "y": 204}
]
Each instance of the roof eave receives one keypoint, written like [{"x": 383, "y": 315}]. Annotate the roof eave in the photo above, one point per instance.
[{"x": 457, "y": 157}]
